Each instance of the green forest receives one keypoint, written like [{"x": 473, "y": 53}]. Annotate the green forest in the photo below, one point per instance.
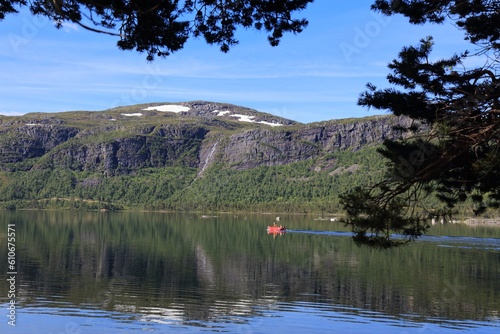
[
  {"x": 310, "y": 186},
  {"x": 303, "y": 187}
]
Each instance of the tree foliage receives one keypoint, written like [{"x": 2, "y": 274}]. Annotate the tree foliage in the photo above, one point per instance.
[
  {"x": 160, "y": 27},
  {"x": 297, "y": 187},
  {"x": 456, "y": 107}
]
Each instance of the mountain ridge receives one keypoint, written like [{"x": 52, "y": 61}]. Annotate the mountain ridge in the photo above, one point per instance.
[
  {"x": 189, "y": 155},
  {"x": 197, "y": 134}
]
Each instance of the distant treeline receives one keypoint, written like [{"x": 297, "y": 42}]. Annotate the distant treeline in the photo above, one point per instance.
[
  {"x": 307, "y": 186},
  {"x": 311, "y": 186}
]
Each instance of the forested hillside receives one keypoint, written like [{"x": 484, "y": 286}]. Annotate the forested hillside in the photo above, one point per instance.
[{"x": 189, "y": 156}]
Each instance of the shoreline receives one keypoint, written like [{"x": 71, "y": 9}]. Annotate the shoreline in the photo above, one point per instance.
[
  {"x": 482, "y": 222},
  {"x": 320, "y": 216}
]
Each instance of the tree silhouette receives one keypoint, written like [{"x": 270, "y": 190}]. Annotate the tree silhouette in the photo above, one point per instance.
[
  {"x": 160, "y": 27},
  {"x": 451, "y": 150}
]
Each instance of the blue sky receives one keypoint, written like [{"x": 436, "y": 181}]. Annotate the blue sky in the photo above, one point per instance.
[{"x": 313, "y": 76}]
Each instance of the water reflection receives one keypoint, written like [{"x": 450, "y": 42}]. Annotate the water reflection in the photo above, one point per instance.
[
  {"x": 276, "y": 233},
  {"x": 184, "y": 270}
]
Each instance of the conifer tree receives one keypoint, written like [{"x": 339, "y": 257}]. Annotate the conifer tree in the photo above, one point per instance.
[
  {"x": 160, "y": 27},
  {"x": 452, "y": 148}
]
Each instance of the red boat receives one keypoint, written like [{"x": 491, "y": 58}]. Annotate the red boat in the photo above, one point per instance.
[{"x": 276, "y": 229}]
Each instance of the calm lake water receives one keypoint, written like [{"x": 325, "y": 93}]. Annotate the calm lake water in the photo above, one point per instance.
[{"x": 180, "y": 273}]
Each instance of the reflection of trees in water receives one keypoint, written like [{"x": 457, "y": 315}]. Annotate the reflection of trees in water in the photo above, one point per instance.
[{"x": 204, "y": 270}]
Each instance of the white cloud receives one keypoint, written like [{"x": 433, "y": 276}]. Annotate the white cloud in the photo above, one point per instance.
[{"x": 70, "y": 26}]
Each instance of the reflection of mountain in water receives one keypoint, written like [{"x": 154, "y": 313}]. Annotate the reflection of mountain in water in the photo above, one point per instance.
[{"x": 179, "y": 267}]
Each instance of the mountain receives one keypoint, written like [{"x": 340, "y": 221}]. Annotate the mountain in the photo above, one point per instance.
[{"x": 163, "y": 155}]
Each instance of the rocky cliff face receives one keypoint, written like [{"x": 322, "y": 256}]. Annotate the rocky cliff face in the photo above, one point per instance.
[
  {"x": 166, "y": 147},
  {"x": 32, "y": 141},
  {"x": 279, "y": 146},
  {"x": 195, "y": 134}
]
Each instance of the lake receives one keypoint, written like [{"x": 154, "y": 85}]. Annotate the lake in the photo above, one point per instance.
[{"x": 105, "y": 272}]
